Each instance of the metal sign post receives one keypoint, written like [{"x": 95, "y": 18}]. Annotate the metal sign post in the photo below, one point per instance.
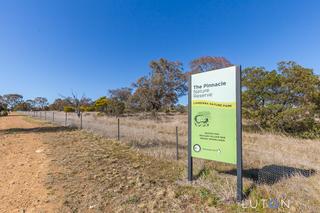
[
  {"x": 214, "y": 119},
  {"x": 190, "y": 163},
  {"x": 239, "y": 136}
]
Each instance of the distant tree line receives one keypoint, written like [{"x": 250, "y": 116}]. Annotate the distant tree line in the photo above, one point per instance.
[
  {"x": 158, "y": 91},
  {"x": 15, "y": 102},
  {"x": 286, "y": 99}
]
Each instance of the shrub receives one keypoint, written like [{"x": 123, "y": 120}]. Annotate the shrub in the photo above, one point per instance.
[
  {"x": 116, "y": 107},
  {"x": 110, "y": 106},
  {"x": 3, "y": 113},
  {"x": 101, "y": 104},
  {"x": 296, "y": 121},
  {"x": 3, "y": 109},
  {"x": 68, "y": 109},
  {"x": 180, "y": 108},
  {"x": 87, "y": 109}
]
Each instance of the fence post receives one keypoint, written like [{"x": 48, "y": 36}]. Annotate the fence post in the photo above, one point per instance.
[
  {"x": 52, "y": 116},
  {"x": 40, "y": 114},
  {"x": 45, "y": 115},
  {"x": 190, "y": 159},
  {"x": 118, "y": 129},
  {"x": 65, "y": 120},
  {"x": 177, "y": 144},
  {"x": 80, "y": 120}
]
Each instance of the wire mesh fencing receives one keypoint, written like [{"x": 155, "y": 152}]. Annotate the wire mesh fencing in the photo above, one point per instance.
[
  {"x": 267, "y": 158},
  {"x": 165, "y": 138}
]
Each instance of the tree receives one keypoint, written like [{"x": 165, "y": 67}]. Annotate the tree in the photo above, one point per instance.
[
  {"x": 3, "y": 107},
  {"x": 101, "y": 104},
  {"x": 122, "y": 94},
  {"x": 168, "y": 82},
  {"x": 77, "y": 103},
  {"x": 162, "y": 88},
  {"x": 12, "y": 100},
  {"x": 260, "y": 88},
  {"x": 109, "y": 106},
  {"x": 58, "y": 104},
  {"x": 23, "y": 106},
  {"x": 207, "y": 63},
  {"x": 31, "y": 103},
  {"x": 116, "y": 107},
  {"x": 41, "y": 102},
  {"x": 142, "y": 97},
  {"x": 299, "y": 84},
  {"x": 284, "y": 99}
]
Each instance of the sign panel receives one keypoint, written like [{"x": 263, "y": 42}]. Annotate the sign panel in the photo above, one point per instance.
[{"x": 214, "y": 115}]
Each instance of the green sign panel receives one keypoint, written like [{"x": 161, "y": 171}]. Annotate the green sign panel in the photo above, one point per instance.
[{"x": 213, "y": 115}]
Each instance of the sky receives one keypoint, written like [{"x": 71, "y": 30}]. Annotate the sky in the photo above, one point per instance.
[{"x": 50, "y": 48}]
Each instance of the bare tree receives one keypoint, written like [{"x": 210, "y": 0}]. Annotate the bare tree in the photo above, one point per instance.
[{"x": 76, "y": 102}]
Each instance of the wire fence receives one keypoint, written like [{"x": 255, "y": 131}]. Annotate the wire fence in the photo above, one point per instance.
[
  {"x": 267, "y": 158},
  {"x": 162, "y": 138}
]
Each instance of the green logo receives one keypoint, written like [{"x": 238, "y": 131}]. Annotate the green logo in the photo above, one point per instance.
[{"x": 202, "y": 119}]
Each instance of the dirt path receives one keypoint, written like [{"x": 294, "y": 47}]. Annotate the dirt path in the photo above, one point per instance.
[
  {"x": 45, "y": 168},
  {"x": 23, "y": 166}
]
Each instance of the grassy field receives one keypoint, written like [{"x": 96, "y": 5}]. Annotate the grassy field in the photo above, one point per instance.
[{"x": 275, "y": 166}]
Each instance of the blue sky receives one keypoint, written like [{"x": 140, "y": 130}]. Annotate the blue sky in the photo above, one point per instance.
[{"x": 53, "y": 47}]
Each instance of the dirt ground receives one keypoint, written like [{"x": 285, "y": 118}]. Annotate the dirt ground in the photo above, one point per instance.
[
  {"x": 24, "y": 167},
  {"x": 46, "y": 168}
]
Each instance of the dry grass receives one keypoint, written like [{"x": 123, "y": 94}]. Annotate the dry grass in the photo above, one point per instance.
[
  {"x": 274, "y": 165},
  {"x": 100, "y": 175}
]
